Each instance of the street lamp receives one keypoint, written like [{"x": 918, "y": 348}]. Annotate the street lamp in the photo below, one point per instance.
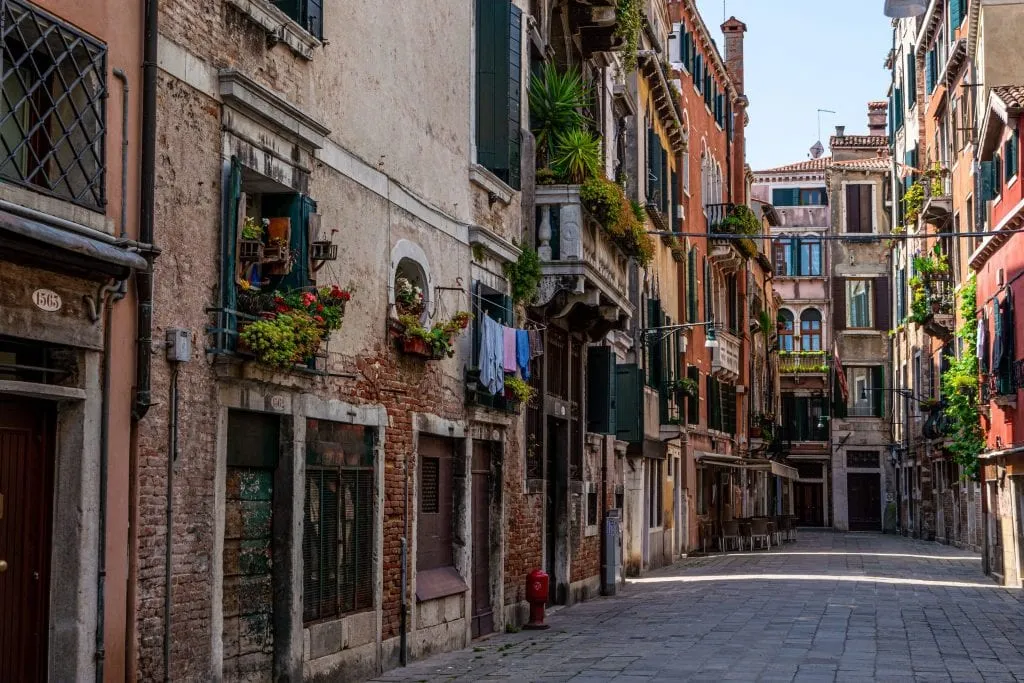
[{"x": 902, "y": 9}]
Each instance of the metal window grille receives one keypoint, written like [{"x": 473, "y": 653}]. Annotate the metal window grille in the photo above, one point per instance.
[
  {"x": 52, "y": 106},
  {"x": 430, "y": 487}
]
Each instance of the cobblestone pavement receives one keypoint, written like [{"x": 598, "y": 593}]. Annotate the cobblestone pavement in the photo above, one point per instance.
[{"x": 844, "y": 607}]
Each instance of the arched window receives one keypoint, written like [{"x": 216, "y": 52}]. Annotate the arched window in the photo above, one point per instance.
[
  {"x": 785, "y": 330},
  {"x": 810, "y": 330}
]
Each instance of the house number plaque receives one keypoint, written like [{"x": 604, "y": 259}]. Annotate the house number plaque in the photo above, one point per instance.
[{"x": 47, "y": 300}]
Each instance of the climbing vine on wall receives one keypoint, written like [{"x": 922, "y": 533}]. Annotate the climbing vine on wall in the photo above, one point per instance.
[
  {"x": 960, "y": 389},
  {"x": 630, "y": 17}
]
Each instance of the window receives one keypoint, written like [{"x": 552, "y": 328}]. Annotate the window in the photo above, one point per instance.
[
  {"x": 655, "y": 493},
  {"x": 52, "y": 106},
  {"x": 781, "y": 251},
  {"x": 859, "y": 208},
  {"x": 858, "y": 304},
  {"x": 691, "y": 285},
  {"x": 498, "y": 97},
  {"x": 786, "y": 330},
  {"x": 686, "y": 169},
  {"x": 867, "y": 391},
  {"x": 931, "y": 71},
  {"x": 810, "y": 330},
  {"x": 693, "y": 400},
  {"x": 901, "y": 295},
  {"x": 802, "y": 418},
  {"x": 337, "y": 537},
  {"x": 911, "y": 76},
  {"x": 309, "y": 14},
  {"x": 867, "y": 459},
  {"x": 808, "y": 257},
  {"x": 1011, "y": 157},
  {"x": 799, "y": 196},
  {"x": 435, "y": 518},
  {"x": 721, "y": 406}
]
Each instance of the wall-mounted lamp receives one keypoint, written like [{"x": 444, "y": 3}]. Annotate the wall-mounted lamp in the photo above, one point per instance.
[{"x": 902, "y": 9}]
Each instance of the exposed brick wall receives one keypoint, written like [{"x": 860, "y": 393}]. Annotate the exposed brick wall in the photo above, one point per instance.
[{"x": 524, "y": 524}]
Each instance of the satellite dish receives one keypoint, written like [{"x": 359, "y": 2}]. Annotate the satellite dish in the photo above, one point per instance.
[{"x": 817, "y": 150}]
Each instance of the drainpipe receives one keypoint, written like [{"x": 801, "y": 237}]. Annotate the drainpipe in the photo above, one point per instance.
[
  {"x": 144, "y": 280},
  {"x": 109, "y": 295},
  {"x": 172, "y": 456}
]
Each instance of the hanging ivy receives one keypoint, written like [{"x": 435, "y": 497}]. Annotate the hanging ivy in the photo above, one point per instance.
[
  {"x": 630, "y": 17},
  {"x": 524, "y": 275},
  {"x": 960, "y": 389}
]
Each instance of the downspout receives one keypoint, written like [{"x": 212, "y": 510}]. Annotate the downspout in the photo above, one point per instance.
[
  {"x": 115, "y": 293},
  {"x": 144, "y": 280}
]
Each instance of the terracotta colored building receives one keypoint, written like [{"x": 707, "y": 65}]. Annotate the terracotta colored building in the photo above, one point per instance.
[{"x": 74, "y": 257}]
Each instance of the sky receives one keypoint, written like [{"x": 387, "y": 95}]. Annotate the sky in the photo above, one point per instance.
[{"x": 801, "y": 56}]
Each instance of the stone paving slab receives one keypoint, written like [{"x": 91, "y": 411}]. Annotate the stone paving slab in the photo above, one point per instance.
[{"x": 828, "y": 607}]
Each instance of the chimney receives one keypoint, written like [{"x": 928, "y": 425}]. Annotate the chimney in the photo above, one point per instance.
[
  {"x": 840, "y": 131},
  {"x": 734, "y": 30},
  {"x": 876, "y": 117}
]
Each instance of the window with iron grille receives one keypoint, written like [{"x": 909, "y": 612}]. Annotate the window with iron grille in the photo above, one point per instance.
[
  {"x": 337, "y": 542},
  {"x": 52, "y": 113}
]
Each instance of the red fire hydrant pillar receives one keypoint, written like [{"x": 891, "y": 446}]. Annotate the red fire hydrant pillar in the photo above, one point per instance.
[{"x": 537, "y": 596}]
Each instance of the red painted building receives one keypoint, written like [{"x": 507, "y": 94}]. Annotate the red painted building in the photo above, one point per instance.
[{"x": 999, "y": 263}]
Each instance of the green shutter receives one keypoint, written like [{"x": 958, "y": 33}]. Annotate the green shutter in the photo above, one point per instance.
[
  {"x": 629, "y": 408},
  {"x": 654, "y": 346},
  {"x": 676, "y": 226},
  {"x": 956, "y": 15},
  {"x": 911, "y": 78},
  {"x": 691, "y": 285},
  {"x": 693, "y": 402},
  {"x": 232, "y": 197},
  {"x": 663, "y": 181},
  {"x": 653, "y": 165},
  {"x": 601, "y": 382},
  {"x": 786, "y": 196},
  {"x": 987, "y": 181},
  {"x": 498, "y": 64}
]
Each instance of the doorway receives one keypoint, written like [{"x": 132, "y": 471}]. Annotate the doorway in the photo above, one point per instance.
[
  {"x": 556, "y": 474},
  {"x": 26, "y": 509},
  {"x": 809, "y": 505},
  {"x": 864, "y": 501},
  {"x": 483, "y": 611}
]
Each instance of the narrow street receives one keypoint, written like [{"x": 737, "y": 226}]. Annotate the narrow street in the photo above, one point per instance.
[{"x": 844, "y": 607}]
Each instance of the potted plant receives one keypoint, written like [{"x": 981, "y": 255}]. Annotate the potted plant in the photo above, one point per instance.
[
  {"x": 291, "y": 325},
  {"x": 433, "y": 343},
  {"x": 519, "y": 390},
  {"x": 250, "y": 246},
  {"x": 409, "y": 299}
]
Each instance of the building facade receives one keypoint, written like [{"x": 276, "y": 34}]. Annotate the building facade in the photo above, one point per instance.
[{"x": 74, "y": 263}]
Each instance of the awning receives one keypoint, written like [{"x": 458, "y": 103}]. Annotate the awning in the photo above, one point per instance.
[
  {"x": 60, "y": 250},
  {"x": 992, "y": 455},
  {"x": 719, "y": 459},
  {"x": 776, "y": 468}
]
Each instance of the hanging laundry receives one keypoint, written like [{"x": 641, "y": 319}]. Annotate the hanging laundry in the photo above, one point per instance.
[
  {"x": 509, "y": 334},
  {"x": 523, "y": 352},
  {"x": 492, "y": 355},
  {"x": 536, "y": 343}
]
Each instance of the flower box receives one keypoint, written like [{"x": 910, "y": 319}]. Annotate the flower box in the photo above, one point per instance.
[{"x": 414, "y": 346}]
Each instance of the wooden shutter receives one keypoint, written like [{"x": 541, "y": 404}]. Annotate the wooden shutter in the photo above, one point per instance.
[
  {"x": 787, "y": 196},
  {"x": 496, "y": 58},
  {"x": 882, "y": 304},
  {"x": 956, "y": 15},
  {"x": 693, "y": 402},
  {"x": 514, "y": 99},
  {"x": 652, "y": 164},
  {"x": 232, "y": 207},
  {"x": 601, "y": 390},
  {"x": 629, "y": 409},
  {"x": 779, "y": 256},
  {"x": 674, "y": 199},
  {"x": 691, "y": 285},
  {"x": 867, "y": 209},
  {"x": 853, "y": 208},
  {"x": 910, "y": 72},
  {"x": 666, "y": 192},
  {"x": 838, "y": 303},
  {"x": 654, "y": 371}
]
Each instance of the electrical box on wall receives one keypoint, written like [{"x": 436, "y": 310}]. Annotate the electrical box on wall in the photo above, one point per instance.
[{"x": 179, "y": 345}]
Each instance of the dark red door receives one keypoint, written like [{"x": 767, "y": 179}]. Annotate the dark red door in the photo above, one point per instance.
[
  {"x": 864, "y": 500},
  {"x": 809, "y": 509},
  {"x": 26, "y": 487},
  {"x": 483, "y": 612}
]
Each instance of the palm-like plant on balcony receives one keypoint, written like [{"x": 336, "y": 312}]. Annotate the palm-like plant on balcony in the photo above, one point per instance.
[
  {"x": 621, "y": 219},
  {"x": 557, "y": 100},
  {"x": 577, "y": 155}
]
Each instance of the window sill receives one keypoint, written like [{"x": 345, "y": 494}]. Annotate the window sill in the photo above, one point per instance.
[
  {"x": 590, "y": 531},
  {"x": 433, "y": 584},
  {"x": 279, "y": 26},
  {"x": 495, "y": 187}
]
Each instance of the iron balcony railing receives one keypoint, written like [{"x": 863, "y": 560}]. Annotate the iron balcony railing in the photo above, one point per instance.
[{"x": 803, "y": 362}]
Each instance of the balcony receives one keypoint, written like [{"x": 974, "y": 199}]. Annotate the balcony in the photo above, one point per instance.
[
  {"x": 803, "y": 362},
  {"x": 933, "y": 304},
  {"x": 725, "y": 355},
  {"x": 727, "y": 224},
  {"x": 938, "y": 199},
  {"x": 580, "y": 266}
]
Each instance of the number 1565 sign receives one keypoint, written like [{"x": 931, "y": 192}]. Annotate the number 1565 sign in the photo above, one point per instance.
[{"x": 47, "y": 300}]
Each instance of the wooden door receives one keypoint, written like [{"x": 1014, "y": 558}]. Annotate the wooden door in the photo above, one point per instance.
[
  {"x": 483, "y": 612},
  {"x": 808, "y": 501},
  {"x": 864, "y": 501},
  {"x": 26, "y": 484},
  {"x": 556, "y": 475}
]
